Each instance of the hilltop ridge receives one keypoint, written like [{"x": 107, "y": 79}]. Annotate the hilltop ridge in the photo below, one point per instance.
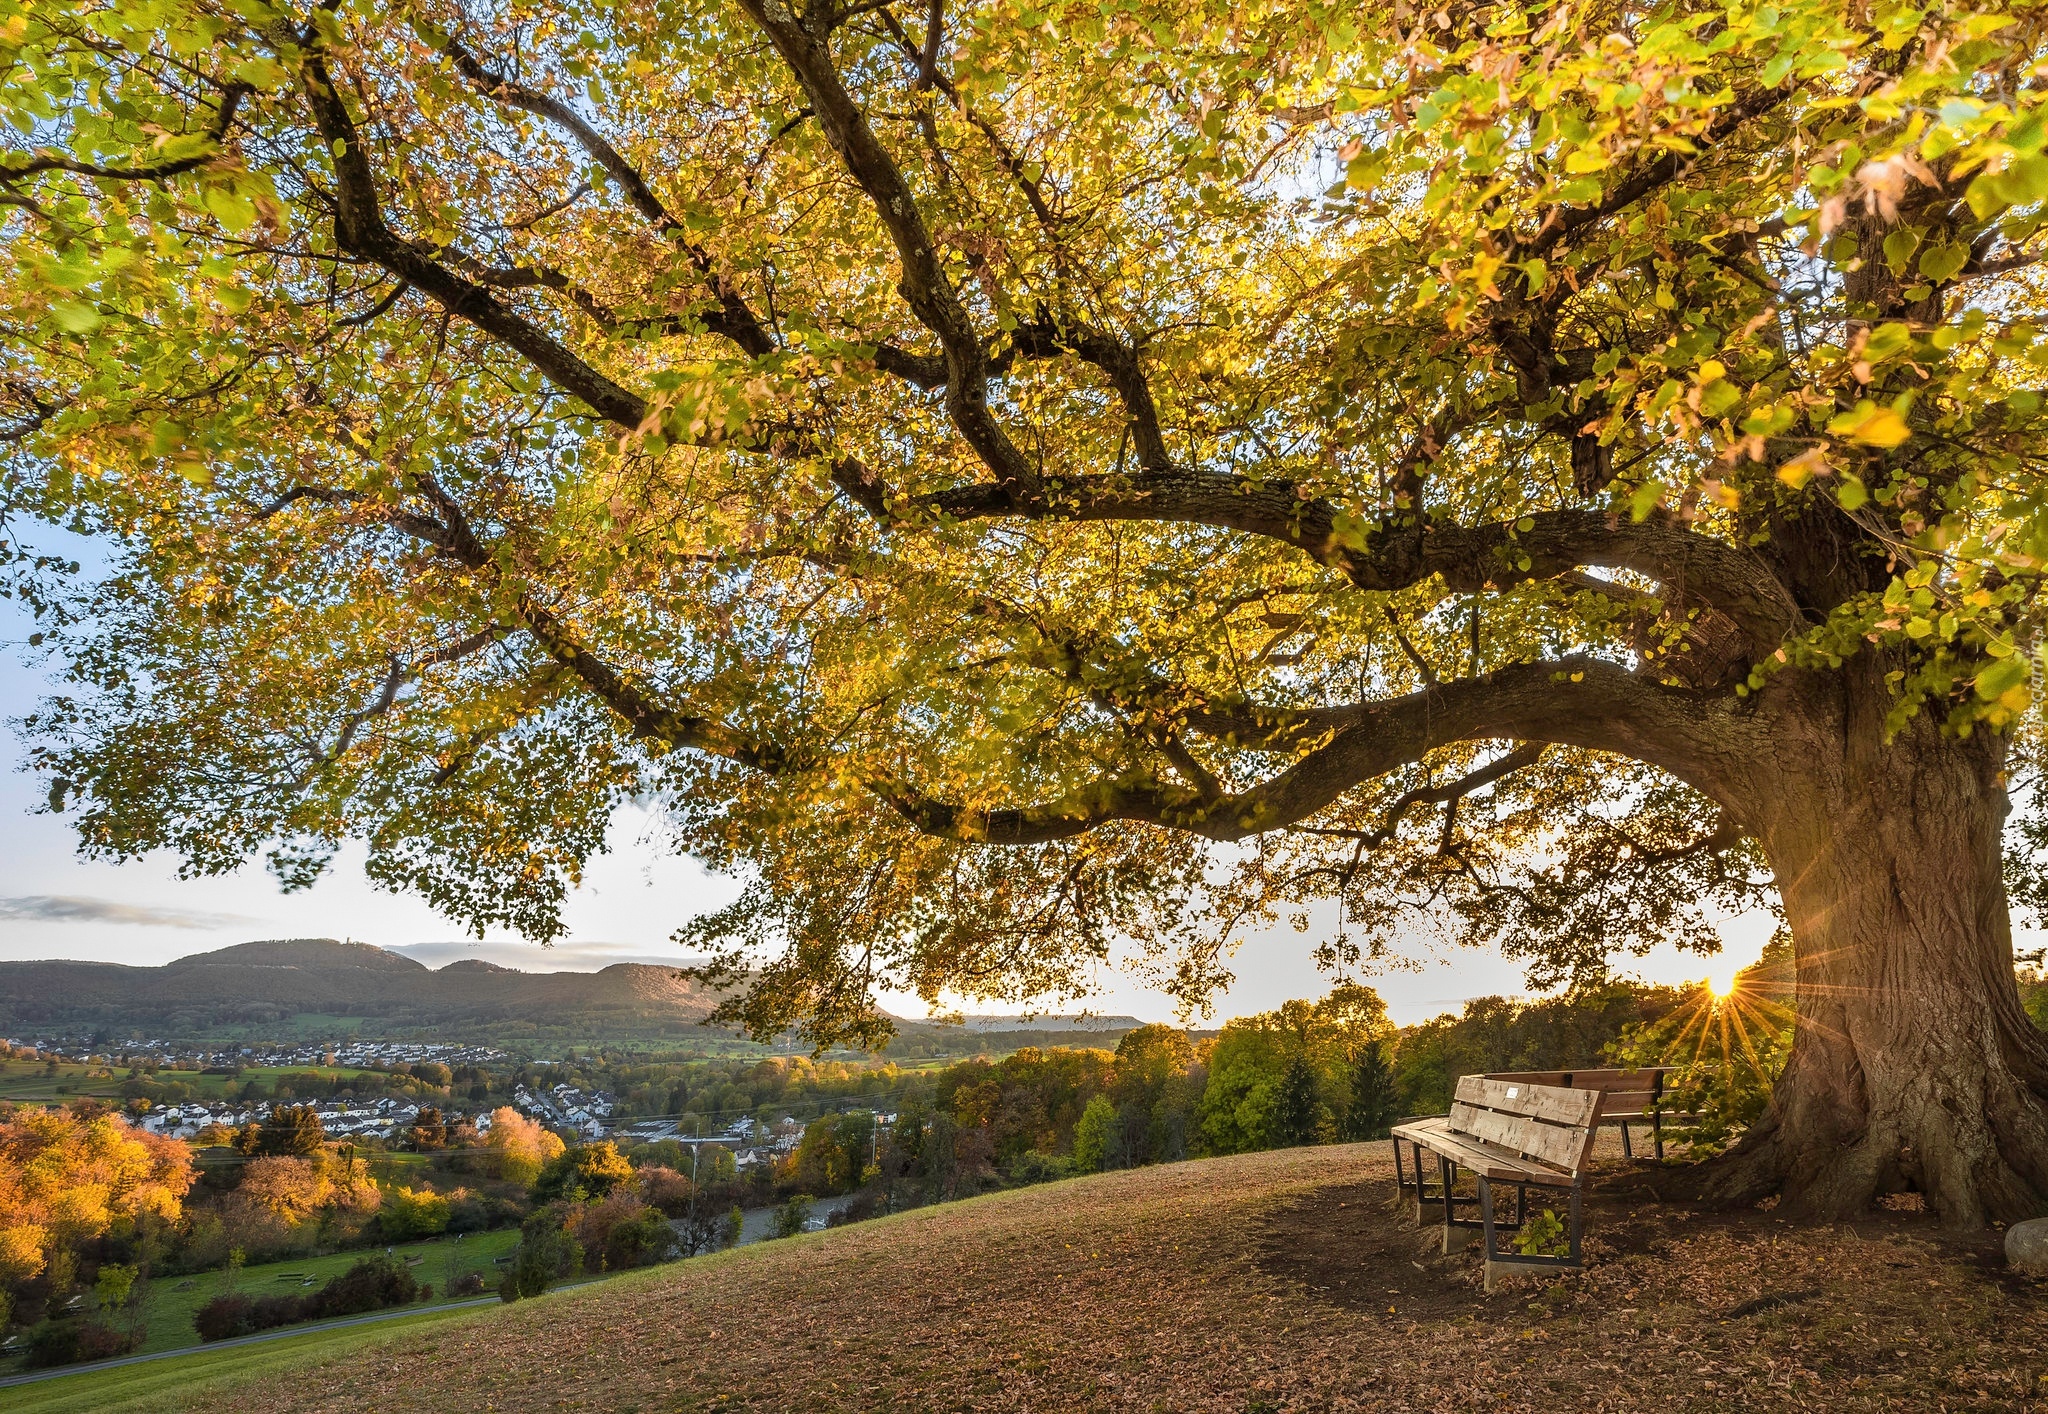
[
  {"x": 320, "y": 953},
  {"x": 321, "y": 988},
  {"x": 270, "y": 984}
]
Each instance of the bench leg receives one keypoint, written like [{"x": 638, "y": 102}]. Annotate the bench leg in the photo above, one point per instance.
[
  {"x": 1578, "y": 1226},
  {"x": 1486, "y": 1224},
  {"x": 1500, "y": 1263},
  {"x": 1626, "y": 1151},
  {"x": 1657, "y": 1113},
  {"x": 1457, "y": 1231},
  {"x": 1422, "y": 1198}
]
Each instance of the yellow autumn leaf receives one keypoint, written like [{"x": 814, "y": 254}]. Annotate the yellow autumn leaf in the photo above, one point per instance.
[
  {"x": 1803, "y": 468},
  {"x": 1869, "y": 425}
]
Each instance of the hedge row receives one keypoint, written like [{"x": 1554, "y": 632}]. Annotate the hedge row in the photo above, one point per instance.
[{"x": 370, "y": 1285}]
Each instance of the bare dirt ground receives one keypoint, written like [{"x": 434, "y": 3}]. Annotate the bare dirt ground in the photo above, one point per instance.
[{"x": 1259, "y": 1284}]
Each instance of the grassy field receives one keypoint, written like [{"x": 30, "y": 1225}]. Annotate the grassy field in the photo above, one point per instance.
[
  {"x": 31, "y": 1081},
  {"x": 169, "y": 1384},
  {"x": 168, "y": 1304},
  {"x": 25, "y": 1081},
  {"x": 1276, "y": 1283}
]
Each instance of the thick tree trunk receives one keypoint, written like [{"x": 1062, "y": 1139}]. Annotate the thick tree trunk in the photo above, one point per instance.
[{"x": 1914, "y": 1067}]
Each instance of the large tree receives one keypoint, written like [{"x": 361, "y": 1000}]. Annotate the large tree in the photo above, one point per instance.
[{"x": 1028, "y": 482}]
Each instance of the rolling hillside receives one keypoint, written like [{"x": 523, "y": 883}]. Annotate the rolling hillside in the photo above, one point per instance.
[
  {"x": 265, "y": 985},
  {"x": 317, "y": 988},
  {"x": 1261, "y": 1284}
]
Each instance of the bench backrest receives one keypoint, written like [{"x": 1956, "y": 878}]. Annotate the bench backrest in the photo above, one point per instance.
[
  {"x": 1631, "y": 1094},
  {"x": 1549, "y": 1123}
]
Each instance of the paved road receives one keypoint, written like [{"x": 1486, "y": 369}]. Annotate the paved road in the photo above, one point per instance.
[{"x": 278, "y": 1334}]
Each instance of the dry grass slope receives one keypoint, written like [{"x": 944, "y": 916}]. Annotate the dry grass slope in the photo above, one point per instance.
[{"x": 1252, "y": 1285}]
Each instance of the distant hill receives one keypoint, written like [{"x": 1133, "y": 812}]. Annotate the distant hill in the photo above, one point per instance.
[
  {"x": 305, "y": 986},
  {"x": 308, "y": 989}
]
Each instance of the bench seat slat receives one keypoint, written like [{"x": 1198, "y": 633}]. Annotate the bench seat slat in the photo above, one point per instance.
[{"x": 1501, "y": 1165}]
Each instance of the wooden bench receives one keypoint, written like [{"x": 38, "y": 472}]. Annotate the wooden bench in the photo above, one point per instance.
[
  {"x": 1633, "y": 1096},
  {"x": 1515, "y": 1133}
]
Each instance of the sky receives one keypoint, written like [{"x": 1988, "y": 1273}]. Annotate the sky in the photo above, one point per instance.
[{"x": 54, "y": 904}]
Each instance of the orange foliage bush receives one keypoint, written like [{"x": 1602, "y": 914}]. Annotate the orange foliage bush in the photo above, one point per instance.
[
  {"x": 522, "y": 1145},
  {"x": 66, "y": 1180}
]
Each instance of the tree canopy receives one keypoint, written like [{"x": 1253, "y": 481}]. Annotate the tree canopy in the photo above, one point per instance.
[
  {"x": 66, "y": 1179},
  {"x": 1020, "y": 482}
]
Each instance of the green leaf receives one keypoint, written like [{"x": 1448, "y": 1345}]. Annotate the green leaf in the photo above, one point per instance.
[
  {"x": 1939, "y": 262},
  {"x": 234, "y": 211},
  {"x": 1645, "y": 499},
  {"x": 1719, "y": 396},
  {"x": 261, "y": 72},
  {"x": 75, "y": 315},
  {"x": 2000, "y": 678},
  {"x": 1899, "y": 247},
  {"x": 2024, "y": 181}
]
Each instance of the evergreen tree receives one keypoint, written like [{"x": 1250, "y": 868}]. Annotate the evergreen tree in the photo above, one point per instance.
[
  {"x": 1371, "y": 1111},
  {"x": 429, "y": 1130},
  {"x": 291, "y": 1129},
  {"x": 1294, "y": 1110}
]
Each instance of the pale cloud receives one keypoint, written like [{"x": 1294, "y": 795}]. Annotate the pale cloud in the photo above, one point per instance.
[{"x": 53, "y": 908}]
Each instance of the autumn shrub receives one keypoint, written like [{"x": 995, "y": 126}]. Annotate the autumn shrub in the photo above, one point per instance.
[
  {"x": 622, "y": 1231},
  {"x": 69, "y": 1179},
  {"x": 587, "y": 1171},
  {"x": 224, "y": 1317},
  {"x": 546, "y": 1253},
  {"x": 408, "y": 1213},
  {"x": 370, "y": 1285},
  {"x": 72, "y": 1342},
  {"x": 468, "y": 1284},
  {"x": 666, "y": 1189},
  {"x": 1036, "y": 1166},
  {"x": 232, "y": 1315},
  {"x": 792, "y": 1215},
  {"x": 522, "y": 1146}
]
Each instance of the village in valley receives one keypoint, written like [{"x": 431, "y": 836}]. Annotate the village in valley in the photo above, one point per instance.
[{"x": 588, "y": 1114}]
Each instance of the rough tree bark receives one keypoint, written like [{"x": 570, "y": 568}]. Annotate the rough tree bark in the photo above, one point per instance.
[{"x": 1914, "y": 1067}]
